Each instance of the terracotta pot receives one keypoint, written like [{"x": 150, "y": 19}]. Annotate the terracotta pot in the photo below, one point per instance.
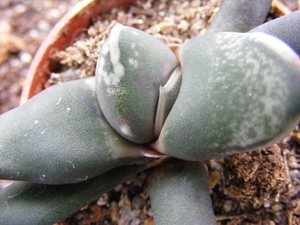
[{"x": 76, "y": 21}]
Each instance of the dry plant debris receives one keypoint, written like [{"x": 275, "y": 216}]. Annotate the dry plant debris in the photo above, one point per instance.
[
  {"x": 260, "y": 187},
  {"x": 259, "y": 177}
]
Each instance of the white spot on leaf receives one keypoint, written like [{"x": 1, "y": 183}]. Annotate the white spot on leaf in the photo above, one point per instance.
[
  {"x": 58, "y": 101},
  {"x": 124, "y": 127},
  {"x": 71, "y": 164},
  {"x": 112, "y": 77},
  {"x": 133, "y": 62},
  {"x": 42, "y": 177}
]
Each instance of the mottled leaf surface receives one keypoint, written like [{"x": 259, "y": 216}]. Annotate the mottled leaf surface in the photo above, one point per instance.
[{"x": 239, "y": 92}]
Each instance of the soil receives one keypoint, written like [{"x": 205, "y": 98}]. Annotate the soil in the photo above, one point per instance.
[
  {"x": 260, "y": 187},
  {"x": 23, "y": 26}
]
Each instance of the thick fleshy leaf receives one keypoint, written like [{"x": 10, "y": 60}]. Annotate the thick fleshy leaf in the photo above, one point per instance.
[
  {"x": 239, "y": 92},
  {"x": 131, "y": 67},
  {"x": 61, "y": 136},
  {"x": 240, "y": 16},
  {"x": 286, "y": 28},
  {"x": 179, "y": 194},
  {"x": 29, "y": 204}
]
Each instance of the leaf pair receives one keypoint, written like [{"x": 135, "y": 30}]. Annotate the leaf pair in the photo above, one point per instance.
[{"x": 239, "y": 91}]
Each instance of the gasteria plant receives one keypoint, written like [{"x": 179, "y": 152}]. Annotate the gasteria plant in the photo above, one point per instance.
[{"x": 215, "y": 95}]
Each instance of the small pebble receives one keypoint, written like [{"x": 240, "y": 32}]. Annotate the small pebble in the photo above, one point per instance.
[
  {"x": 25, "y": 57},
  {"x": 277, "y": 207},
  {"x": 138, "y": 202},
  {"x": 227, "y": 206},
  {"x": 102, "y": 200},
  {"x": 114, "y": 211},
  {"x": 43, "y": 25},
  {"x": 20, "y": 8},
  {"x": 95, "y": 213}
]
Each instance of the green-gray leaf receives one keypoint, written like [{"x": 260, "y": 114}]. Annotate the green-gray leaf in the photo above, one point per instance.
[
  {"x": 38, "y": 204},
  {"x": 286, "y": 28},
  {"x": 239, "y": 92},
  {"x": 61, "y": 136},
  {"x": 180, "y": 195},
  {"x": 131, "y": 67},
  {"x": 240, "y": 16}
]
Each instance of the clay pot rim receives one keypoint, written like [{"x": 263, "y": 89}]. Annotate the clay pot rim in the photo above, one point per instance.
[{"x": 71, "y": 25}]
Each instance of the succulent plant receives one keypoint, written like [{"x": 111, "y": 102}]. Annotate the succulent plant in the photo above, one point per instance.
[{"x": 215, "y": 95}]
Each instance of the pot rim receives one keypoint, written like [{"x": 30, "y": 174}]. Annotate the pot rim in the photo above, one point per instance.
[{"x": 70, "y": 26}]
